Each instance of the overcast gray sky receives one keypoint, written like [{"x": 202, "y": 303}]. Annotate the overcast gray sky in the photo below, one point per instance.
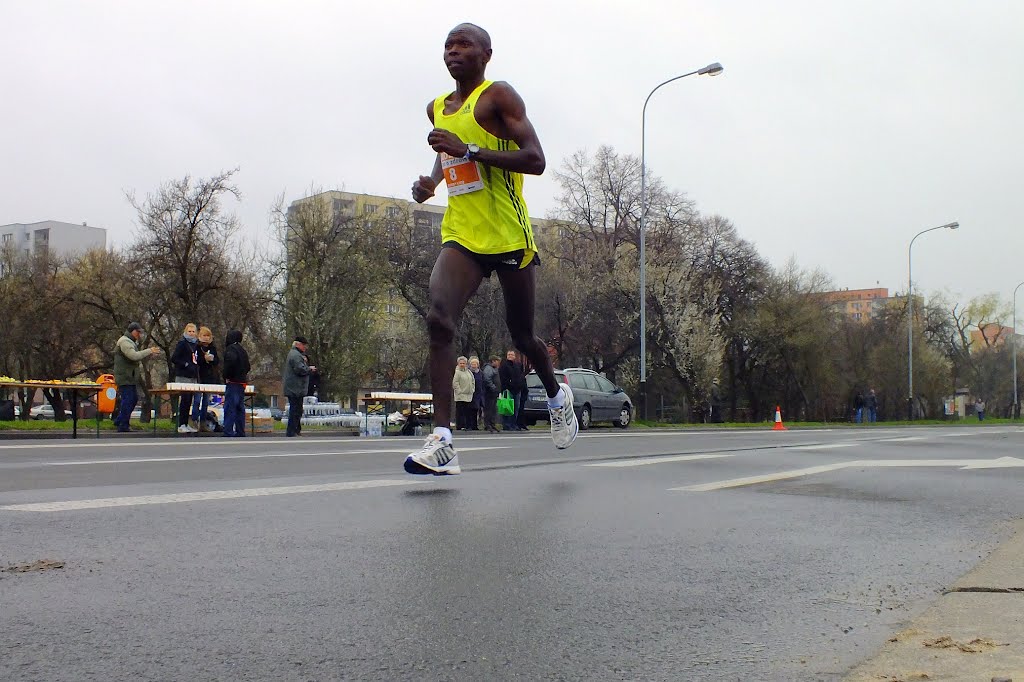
[{"x": 837, "y": 131}]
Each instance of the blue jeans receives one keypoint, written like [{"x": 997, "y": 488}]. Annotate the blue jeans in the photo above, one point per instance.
[
  {"x": 872, "y": 414},
  {"x": 859, "y": 415},
  {"x": 129, "y": 397},
  {"x": 234, "y": 410},
  {"x": 200, "y": 401}
]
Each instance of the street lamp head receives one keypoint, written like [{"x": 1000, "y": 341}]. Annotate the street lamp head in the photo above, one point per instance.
[
  {"x": 711, "y": 70},
  {"x": 953, "y": 226}
]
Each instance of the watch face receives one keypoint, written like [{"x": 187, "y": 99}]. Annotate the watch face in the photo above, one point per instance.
[{"x": 474, "y": 148}]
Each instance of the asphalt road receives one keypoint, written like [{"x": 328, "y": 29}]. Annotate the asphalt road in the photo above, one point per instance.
[{"x": 634, "y": 555}]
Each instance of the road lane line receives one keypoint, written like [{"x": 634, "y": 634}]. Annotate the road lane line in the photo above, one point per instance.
[
  {"x": 1002, "y": 462},
  {"x": 75, "y": 505},
  {"x": 265, "y": 455},
  {"x": 907, "y": 439},
  {"x": 136, "y": 443},
  {"x": 830, "y": 446},
  {"x": 643, "y": 461},
  {"x": 766, "y": 478}
]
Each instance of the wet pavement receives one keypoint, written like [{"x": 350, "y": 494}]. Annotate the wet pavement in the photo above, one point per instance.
[{"x": 633, "y": 555}]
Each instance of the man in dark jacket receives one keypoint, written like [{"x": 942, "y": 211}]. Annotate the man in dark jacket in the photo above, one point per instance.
[
  {"x": 296, "y": 384},
  {"x": 514, "y": 381},
  {"x": 236, "y": 376},
  {"x": 127, "y": 358},
  {"x": 871, "y": 402},
  {"x": 492, "y": 388}
]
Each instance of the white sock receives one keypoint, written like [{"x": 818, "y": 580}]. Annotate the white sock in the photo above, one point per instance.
[
  {"x": 445, "y": 433},
  {"x": 558, "y": 400}
]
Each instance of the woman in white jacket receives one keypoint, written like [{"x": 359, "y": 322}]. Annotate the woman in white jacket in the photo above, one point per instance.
[{"x": 463, "y": 386}]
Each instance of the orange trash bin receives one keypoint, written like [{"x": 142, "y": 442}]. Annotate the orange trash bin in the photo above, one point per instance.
[{"x": 108, "y": 394}]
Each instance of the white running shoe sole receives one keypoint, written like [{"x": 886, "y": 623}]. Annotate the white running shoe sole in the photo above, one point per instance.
[
  {"x": 417, "y": 468},
  {"x": 575, "y": 419}
]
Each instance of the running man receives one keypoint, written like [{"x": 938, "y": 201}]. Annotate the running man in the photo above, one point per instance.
[{"x": 484, "y": 144}]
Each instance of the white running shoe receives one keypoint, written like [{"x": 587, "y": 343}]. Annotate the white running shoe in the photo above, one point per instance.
[
  {"x": 184, "y": 428},
  {"x": 564, "y": 425},
  {"x": 435, "y": 457}
]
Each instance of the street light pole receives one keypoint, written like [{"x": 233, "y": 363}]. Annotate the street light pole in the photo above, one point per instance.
[
  {"x": 1013, "y": 344},
  {"x": 710, "y": 70},
  {"x": 910, "y": 315}
]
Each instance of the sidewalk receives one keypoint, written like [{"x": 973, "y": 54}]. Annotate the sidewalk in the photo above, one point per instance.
[{"x": 973, "y": 633}]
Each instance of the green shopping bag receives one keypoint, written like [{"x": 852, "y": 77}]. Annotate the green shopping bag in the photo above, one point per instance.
[{"x": 506, "y": 404}]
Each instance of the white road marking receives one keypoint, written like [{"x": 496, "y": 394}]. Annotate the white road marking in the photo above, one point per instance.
[
  {"x": 1002, "y": 462},
  {"x": 900, "y": 440},
  {"x": 753, "y": 480},
  {"x": 175, "y": 443},
  {"x": 199, "y": 458},
  {"x": 642, "y": 461},
  {"x": 830, "y": 446},
  {"x": 74, "y": 505}
]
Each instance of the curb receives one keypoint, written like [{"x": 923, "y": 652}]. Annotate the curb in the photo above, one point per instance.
[{"x": 975, "y": 631}]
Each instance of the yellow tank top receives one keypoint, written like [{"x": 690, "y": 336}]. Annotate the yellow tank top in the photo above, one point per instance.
[{"x": 493, "y": 218}]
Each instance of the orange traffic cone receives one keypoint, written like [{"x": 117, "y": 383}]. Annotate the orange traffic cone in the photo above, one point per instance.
[{"x": 778, "y": 420}]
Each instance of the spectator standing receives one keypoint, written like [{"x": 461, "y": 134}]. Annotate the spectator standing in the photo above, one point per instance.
[
  {"x": 127, "y": 358},
  {"x": 296, "y": 383},
  {"x": 979, "y": 409},
  {"x": 872, "y": 405},
  {"x": 492, "y": 389},
  {"x": 858, "y": 408},
  {"x": 715, "y": 402},
  {"x": 512, "y": 380},
  {"x": 236, "y": 376},
  {"x": 209, "y": 373},
  {"x": 478, "y": 394},
  {"x": 463, "y": 386},
  {"x": 185, "y": 363}
]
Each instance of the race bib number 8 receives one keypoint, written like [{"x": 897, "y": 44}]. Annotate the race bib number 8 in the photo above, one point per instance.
[{"x": 461, "y": 175}]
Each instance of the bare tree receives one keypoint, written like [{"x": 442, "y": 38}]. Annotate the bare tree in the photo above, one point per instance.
[{"x": 331, "y": 287}]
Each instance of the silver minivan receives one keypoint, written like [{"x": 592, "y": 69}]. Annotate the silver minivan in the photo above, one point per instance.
[{"x": 595, "y": 398}]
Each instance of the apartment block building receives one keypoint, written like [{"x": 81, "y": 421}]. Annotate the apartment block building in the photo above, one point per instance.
[
  {"x": 52, "y": 237},
  {"x": 858, "y": 304}
]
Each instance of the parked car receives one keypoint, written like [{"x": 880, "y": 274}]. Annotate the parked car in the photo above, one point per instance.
[
  {"x": 276, "y": 413},
  {"x": 44, "y": 411},
  {"x": 595, "y": 398}
]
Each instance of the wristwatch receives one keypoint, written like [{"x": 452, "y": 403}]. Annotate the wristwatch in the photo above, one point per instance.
[{"x": 471, "y": 150}]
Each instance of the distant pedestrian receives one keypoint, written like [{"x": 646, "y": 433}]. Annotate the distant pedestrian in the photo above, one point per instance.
[
  {"x": 185, "y": 362},
  {"x": 478, "y": 394},
  {"x": 209, "y": 373},
  {"x": 858, "y": 408},
  {"x": 872, "y": 405},
  {"x": 512, "y": 380},
  {"x": 296, "y": 384},
  {"x": 236, "y": 376},
  {"x": 979, "y": 409},
  {"x": 715, "y": 403},
  {"x": 127, "y": 358},
  {"x": 463, "y": 387},
  {"x": 492, "y": 389}
]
